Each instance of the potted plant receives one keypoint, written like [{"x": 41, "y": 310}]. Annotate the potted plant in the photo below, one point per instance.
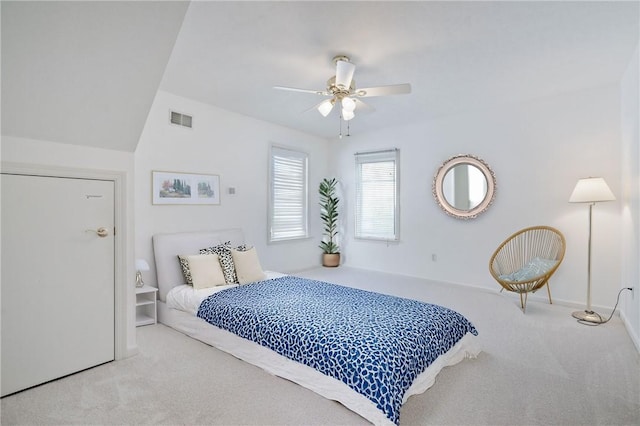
[{"x": 329, "y": 215}]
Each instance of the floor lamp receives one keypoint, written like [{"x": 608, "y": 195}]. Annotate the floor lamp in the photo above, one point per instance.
[{"x": 590, "y": 190}]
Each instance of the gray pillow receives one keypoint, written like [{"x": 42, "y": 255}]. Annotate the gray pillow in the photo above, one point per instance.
[{"x": 535, "y": 268}]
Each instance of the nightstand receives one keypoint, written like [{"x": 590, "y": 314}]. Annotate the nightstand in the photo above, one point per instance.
[{"x": 146, "y": 312}]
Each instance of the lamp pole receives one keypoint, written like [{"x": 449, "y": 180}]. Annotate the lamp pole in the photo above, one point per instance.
[
  {"x": 588, "y": 315},
  {"x": 589, "y": 311}
]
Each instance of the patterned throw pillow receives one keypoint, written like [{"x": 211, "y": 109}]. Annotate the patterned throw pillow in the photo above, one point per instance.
[
  {"x": 226, "y": 261},
  {"x": 186, "y": 271}
]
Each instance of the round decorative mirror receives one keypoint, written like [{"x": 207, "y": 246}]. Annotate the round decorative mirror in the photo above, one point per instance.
[{"x": 464, "y": 186}]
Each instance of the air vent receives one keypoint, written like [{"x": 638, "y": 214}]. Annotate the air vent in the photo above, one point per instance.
[{"x": 181, "y": 119}]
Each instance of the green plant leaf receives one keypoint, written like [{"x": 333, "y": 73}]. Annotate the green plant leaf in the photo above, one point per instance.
[{"x": 329, "y": 214}]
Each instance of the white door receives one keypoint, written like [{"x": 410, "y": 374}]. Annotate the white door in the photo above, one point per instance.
[{"x": 57, "y": 285}]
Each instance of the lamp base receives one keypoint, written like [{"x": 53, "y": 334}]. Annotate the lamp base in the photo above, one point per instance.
[{"x": 588, "y": 316}]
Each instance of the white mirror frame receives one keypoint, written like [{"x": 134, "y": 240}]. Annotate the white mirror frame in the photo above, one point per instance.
[{"x": 438, "y": 179}]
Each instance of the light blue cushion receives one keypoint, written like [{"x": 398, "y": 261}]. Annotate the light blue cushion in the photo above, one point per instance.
[{"x": 536, "y": 267}]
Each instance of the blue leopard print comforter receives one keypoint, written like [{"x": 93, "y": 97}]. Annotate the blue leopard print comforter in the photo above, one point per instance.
[{"x": 376, "y": 344}]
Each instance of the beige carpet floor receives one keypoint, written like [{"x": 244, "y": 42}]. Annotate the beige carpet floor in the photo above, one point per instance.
[{"x": 538, "y": 368}]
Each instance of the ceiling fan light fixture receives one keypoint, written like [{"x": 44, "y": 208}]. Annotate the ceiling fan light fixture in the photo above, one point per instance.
[
  {"x": 348, "y": 104},
  {"x": 341, "y": 88},
  {"x": 325, "y": 107},
  {"x": 347, "y": 115}
]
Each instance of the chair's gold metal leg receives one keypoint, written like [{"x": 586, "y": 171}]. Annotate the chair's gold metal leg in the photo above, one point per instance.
[
  {"x": 524, "y": 308},
  {"x": 549, "y": 292},
  {"x": 521, "y": 303}
]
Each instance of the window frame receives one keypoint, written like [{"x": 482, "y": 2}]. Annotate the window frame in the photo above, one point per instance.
[
  {"x": 290, "y": 153},
  {"x": 376, "y": 157}
]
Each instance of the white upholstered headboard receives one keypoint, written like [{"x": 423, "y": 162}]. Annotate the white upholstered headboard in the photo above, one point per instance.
[{"x": 167, "y": 247}]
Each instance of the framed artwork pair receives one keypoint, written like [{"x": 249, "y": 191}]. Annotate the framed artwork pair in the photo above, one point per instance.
[{"x": 185, "y": 188}]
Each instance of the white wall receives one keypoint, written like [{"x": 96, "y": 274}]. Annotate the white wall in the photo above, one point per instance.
[
  {"x": 236, "y": 148},
  {"x": 538, "y": 150},
  {"x": 73, "y": 157},
  {"x": 630, "y": 197}
]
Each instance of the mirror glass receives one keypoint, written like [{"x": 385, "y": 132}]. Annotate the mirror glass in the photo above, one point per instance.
[{"x": 464, "y": 186}]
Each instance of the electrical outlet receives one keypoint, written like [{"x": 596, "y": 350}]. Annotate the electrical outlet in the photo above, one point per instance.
[{"x": 434, "y": 257}]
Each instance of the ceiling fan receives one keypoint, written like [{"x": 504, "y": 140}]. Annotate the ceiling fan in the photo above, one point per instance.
[{"x": 341, "y": 89}]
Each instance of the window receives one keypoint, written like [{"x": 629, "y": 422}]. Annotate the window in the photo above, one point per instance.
[
  {"x": 377, "y": 210},
  {"x": 288, "y": 195}
]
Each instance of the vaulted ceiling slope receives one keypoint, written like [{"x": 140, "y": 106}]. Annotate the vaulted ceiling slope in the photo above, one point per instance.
[{"x": 86, "y": 72}]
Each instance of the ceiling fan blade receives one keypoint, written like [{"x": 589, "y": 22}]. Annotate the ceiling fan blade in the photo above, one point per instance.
[
  {"x": 344, "y": 74},
  {"x": 363, "y": 107},
  {"x": 295, "y": 89},
  {"x": 394, "y": 89}
]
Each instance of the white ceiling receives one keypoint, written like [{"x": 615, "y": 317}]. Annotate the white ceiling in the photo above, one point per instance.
[{"x": 458, "y": 56}]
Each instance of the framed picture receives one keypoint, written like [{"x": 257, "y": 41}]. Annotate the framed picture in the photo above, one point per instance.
[{"x": 185, "y": 188}]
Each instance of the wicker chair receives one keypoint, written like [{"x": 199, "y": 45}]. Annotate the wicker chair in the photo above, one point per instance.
[{"x": 526, "y": 260}]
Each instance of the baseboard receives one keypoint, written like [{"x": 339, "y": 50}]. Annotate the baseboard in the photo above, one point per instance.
[
  {"x": 132, "y": 350},
  {"x": 634, "y": 337}
]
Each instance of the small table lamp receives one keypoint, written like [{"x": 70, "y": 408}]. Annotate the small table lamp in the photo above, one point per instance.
[
  {"x": 141, "y": 265},
  {"x": 590, "y": 190}
]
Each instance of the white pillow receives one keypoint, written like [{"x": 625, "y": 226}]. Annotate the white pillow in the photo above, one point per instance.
[
  {"x": 247, "y": 266},
  {"x": 205, "y": 271},
  {"x": 186, "y": 299}
]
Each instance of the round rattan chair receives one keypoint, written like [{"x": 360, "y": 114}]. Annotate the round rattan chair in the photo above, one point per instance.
[{"x": 526, "y": 260}]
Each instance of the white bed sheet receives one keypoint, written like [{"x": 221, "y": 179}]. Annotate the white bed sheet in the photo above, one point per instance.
[
  {"x": 186, "y": 321},
  {"x": 185, "y": 298}
]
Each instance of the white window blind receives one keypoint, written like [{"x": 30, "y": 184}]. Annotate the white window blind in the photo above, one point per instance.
[
  {"x": 288, "y": 195},
  {"x": 377, "y": 209}
]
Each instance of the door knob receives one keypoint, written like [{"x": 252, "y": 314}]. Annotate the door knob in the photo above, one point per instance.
[{"x": 101, "y": 232}]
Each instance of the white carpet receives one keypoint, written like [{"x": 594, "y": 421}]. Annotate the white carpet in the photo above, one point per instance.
[{"x": 538, "y": 368}]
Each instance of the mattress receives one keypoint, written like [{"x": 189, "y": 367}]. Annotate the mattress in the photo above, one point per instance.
[{"x": 308, "y": 377}]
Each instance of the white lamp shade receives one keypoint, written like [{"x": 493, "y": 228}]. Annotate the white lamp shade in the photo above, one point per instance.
[
  {"x": 348, "y": 104},
  {"x": 591, "y": 190},
  {"x": 142, "y": 265},
  {"x": 325, "y": 107},
  {"x": 347, "y": 115}
]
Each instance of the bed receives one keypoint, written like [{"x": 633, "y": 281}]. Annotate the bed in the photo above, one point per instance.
[{"x": 311, "y": 348}]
